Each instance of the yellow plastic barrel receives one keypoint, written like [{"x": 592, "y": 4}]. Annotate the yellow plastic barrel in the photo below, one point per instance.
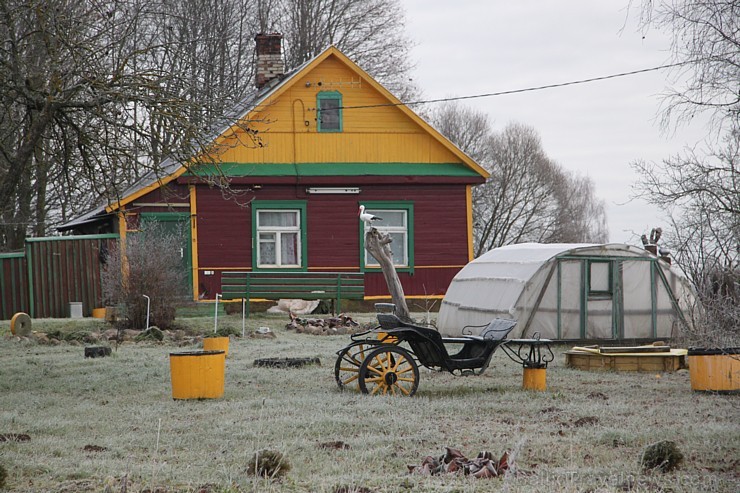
[
  {"x": 198, "y": 374},
  {"x": 535, "y": 379},
  {"x": 216, "y": 344},
  {"x": 98, "y": 313},
  {"x": 714, "y": 370}
]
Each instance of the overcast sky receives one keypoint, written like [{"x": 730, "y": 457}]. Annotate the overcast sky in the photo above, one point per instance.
[{"x": 468, "y": 47}]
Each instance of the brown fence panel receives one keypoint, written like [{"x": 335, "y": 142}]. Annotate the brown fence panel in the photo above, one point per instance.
[
  {"x": 13, "y": 285},
  {"x": 65, "y": 269}
]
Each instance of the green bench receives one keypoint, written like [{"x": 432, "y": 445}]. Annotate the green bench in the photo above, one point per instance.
[{"x": 293, "y": 285}]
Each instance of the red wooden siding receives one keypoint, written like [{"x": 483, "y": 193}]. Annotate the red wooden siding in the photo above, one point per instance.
[
  {"x": 440, "y": 233},
  {"x": 423, "y": 282}
]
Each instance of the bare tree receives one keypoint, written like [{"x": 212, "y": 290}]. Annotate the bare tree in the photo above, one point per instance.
[
  {"x": 581, "y": 217},
  {"x": 517, "y": 203},
  {"x": 467, "y": 128},
  {"x": 95, "y": 94},
  {"x": 698, "y": 188},
  {"x": 706, "y": 42},
  {"x": 700, "y": 192},
  {"x": 79, "y": 94},
  {"x": 371, "y": 32},
  {"x": 528, "y": 197}
]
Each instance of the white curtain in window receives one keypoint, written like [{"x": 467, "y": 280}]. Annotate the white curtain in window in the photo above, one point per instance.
[
  {"x": 279, "y": 238},
  {"x": 280, "y": 219},
  {"x": 267, "y": 249},
  {"x": 289, "y": 249}
]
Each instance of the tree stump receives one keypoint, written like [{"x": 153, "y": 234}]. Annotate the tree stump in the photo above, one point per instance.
[{"x": 378, "y": 244}]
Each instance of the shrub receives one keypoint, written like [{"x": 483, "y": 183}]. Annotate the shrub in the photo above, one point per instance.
[
  {"x": 715, "y": 321},
  {"x": 268, "y": 464},
  {"x": 152, "y": 267},
  {"x": 662, "y": 456}
]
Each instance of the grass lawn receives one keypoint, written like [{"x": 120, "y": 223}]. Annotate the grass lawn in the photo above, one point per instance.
[{"x": 110, "y": 424}]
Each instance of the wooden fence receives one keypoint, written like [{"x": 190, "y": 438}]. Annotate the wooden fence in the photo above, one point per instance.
[{"x": 51, "y": 273}]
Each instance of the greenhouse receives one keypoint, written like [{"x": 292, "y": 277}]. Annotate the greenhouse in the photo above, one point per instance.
[{"x": 569, "y": 292}]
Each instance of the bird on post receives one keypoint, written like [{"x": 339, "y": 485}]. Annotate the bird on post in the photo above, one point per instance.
[{"x": 367, "y": 217}]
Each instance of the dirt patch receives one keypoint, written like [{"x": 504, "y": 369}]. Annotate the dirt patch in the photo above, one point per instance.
[
  {"x": 15, "y": 437},
  {"x": 94, "y": 448},
  {"x": 598, "y": 395},
  {"x": 586, "y": 421},
  {"x": 286, "y": 362},
  {"x": 550, "y": 410},
  {"x": 353, "y": 489},
  {"x": 335, "y": 445}
]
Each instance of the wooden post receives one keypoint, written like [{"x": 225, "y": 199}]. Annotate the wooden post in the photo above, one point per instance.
[{"x": 378, "y": 244}]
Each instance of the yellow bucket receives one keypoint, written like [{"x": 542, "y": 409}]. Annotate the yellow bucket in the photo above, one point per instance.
[
  {"x": 714, "y": 370},
  {"x": 535, "y": 379},
  {"x": 98, "y": 313},
  {"x": 198, "y": 374},
  {"x": 216, "y": 344}
]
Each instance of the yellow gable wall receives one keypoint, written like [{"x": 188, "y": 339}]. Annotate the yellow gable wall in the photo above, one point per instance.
[{"x": 287, "y": 126}]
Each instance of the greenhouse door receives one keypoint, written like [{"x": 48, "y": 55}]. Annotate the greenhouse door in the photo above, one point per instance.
[{"x": 598, "y": 299}]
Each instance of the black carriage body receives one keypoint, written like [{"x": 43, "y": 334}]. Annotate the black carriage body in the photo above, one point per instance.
[
  {"x": 473, "y": 353},
  {"x": 377, "y": 363}
]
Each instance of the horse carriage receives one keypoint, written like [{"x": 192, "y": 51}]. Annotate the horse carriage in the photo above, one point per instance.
[{"x": 386, "y": 359}]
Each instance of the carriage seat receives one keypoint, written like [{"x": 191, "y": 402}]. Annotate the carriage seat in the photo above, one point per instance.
[
  {"x": 429, "y": 346},
  {"x": 390, "y": 321},
  {"x": 496, "y": 330}
]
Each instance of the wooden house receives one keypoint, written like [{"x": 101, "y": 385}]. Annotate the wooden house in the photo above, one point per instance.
[{"x": 311, "y": 147}]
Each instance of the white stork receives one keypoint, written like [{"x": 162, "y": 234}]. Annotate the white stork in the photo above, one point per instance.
[{"x": 367, "y": 217}]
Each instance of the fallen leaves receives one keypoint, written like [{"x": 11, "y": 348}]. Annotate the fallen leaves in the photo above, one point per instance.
[
  {"x": 339, "y": 325},
  {"x": 485, "y": 465}
]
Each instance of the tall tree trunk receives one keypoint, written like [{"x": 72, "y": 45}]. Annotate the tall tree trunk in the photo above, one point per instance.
[{"x": 377, "y": 244}]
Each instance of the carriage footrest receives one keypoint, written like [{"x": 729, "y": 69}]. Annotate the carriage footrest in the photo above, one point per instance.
[{"x": 530, "y": 353}]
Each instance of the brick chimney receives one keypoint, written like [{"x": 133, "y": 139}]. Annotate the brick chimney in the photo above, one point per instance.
[{"x": 269, "y": 58}]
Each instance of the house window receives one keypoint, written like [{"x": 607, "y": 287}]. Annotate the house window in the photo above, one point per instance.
[
  {"x": 599, "y": 277},
  {"x": 329, "y": 104},
  {"x": 279, "y": 231},
  {"x": 398, "y": 220}
]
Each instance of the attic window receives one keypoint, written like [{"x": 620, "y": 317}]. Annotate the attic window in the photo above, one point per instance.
[{"x": 329, "y": 104}]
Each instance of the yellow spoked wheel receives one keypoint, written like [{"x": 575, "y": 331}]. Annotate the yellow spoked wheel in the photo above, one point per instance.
[
  {"x": 389, "y": 370},
  {"x": 347, "y": 367}
]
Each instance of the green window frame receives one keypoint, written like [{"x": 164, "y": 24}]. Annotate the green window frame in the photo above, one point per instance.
[
  {"x": 329, "y": 111},
  {"x": 598, "y": 283},
  {"x": 265, "y": 231},
  {"x": 403, "y": 209}
]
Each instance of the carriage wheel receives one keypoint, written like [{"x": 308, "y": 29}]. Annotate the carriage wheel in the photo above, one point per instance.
[
  {"x": 389, "y": 370},
  {"x": 347, "y": 367}
]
